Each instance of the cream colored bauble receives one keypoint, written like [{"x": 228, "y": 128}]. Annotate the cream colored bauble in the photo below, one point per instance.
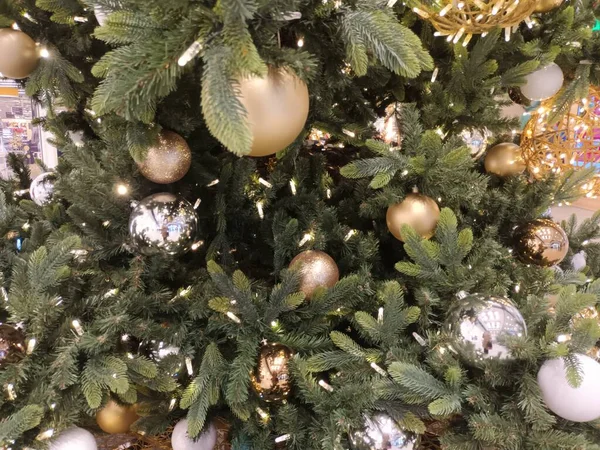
[
  {"x": 74, "y": 438},
  {"x": 544, "y": 83},
  {"x": 277, "y": 107},
  {"x": 419, "y": 211},
  {"x": 180, "y": 439},
  {"x": 115, "y": 418},
  {"x": 581, "y": 404},
  {"x": 19, "y": 55},
  {"x": 547, "y": 5}
]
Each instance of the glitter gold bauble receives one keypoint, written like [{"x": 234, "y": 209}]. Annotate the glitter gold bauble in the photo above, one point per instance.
[
  {"x": 541, "y": 242},
  {"x": 417, "y": 210},
  {"x": 277, "y": 107},
  {"x": 115, "y": 418},
  {"x": 547, "y": 5},
  {"x": 504, "y": 160},
  {"x": 12, "y": 345},
  {"x": 271, "y": 379},
  {"x": 317, "y": 269},
  {"x": 19, "y": 54},
  {"x": 168, "y": 161}
]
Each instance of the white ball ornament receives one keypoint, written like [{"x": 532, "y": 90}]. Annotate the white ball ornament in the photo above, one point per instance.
[
  {"x": 180, "y": 439},
  {"x": 74, "y": 438},
  {"x": 543, "y": 83},
  {"x": 581, "y": 404},
  {"x": 42, "y": 188},
  {"x": 579, "y": 261}
]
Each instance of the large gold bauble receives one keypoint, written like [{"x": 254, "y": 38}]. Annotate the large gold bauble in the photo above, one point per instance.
[
  {"x": 115, "y": 418},
  {"x": 19, "y": 55},
  {"x": 317, "y": 269},
  {"x": 417, "y": 210},
  {"x": 168, "y": 161},
  {"x": 547, "y": 5},
  {"x": 277, "y": 107},
  {"x": 12, "y": 345},
  {"x": 541, "y": 242},
  {"x": 271, "y": 378},
  {"x": 504, "y": 160}
]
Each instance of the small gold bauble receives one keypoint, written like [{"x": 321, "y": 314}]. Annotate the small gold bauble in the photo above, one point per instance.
[
  {"x": 20, "y": 55},
  {"x": 12, "y": 345},
  {"x": 277, "y": 107},
  {"x": 317, "y": 269},
  {"x": 417, "y": 210},
  {"x": 168, "y": 161},
  {"x": 115, "y": 418},
  {"x": 271, "y": 378},
  {"x": 541, "y": 242},
  {"x": 505, "y": 160},
  {"x": 547, "y": 5}
]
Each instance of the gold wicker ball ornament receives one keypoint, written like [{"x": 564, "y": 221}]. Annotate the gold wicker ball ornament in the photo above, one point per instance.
[
  {"x": 168, "y": 161},
  {"x": 317, "y": 269},
  {"x": 19, "y": 55},
  {"x": 541, "y": 242},
  {"x": 271, "y": 379},
  {"x": 115, "y": 418},
  {"x": 504, "y": 160},
  {"x": 417, "y": 210}
]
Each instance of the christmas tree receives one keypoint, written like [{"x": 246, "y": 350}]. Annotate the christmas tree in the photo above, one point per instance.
[{"x": 305, "y": 224}]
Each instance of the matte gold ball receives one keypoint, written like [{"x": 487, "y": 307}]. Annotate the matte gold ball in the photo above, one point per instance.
[
  {"x": 417, "y": 210},
  {"x": 12, "y": 345},
  {"x": 547, "y": 5},
  {"x": 115, "y": 418},
  {"x": 19, "y": 54},
  {"x": 168, "y": 161},
  {"x": 277, "y": 107},
  {"x": 271, "y": 379},
  {"x": 541, "y": 242},
  {"x": 505, "y": 160},
  {"x": 317, "y": 269}
]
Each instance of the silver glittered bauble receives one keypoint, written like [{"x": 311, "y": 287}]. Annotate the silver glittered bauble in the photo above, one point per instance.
[
  {"x": 180, "y": 440},
  {"x": 42, "y": 188},
  {"x": 382, "y": 433},
  {"x": 479, "y": 324},
  {"x": 74, "y": 438},
  {"x": 476, "y": 140},
  {"x": 163, "y": 224}
]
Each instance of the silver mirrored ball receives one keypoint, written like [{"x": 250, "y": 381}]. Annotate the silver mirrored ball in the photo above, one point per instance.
[
  {"x": 382, "y": 433},
  {"x": 41, "y": 189}
]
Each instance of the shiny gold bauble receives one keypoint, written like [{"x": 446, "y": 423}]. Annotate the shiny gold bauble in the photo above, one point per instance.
[
  {"x": 541, "y": 242},
  {"x": 277, "y": 107},
  {"x": 505, "y": 160},
  {"x": 417, "y": 210},
  {"x": 115, "y": 418},
  {"x": 168, "y": 161},
  {"x": 19, "y": 55},
  {"x": 12, "y": 345},
  {"x": 271, "y": 378},
  {"x": 547, "y": 5},
  {"x": 317, "y": 269}
]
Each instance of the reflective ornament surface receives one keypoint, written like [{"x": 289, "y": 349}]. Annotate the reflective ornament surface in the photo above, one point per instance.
[
  {"x": 271, "y": 379},
  {"x": 12, "y": 345},
  {"x": 547, "y": 5},
  {"x": 101, "y": 15},
  {"x": 479, "y": 324},
  {"x": 417, "y": 210},
  {"x": 476, "y": 140},
  {"x": 74, "y": 438},
  {"x": 115, "y": 418},
  {"x": 41, "y": 189},
  {"x": 317, "y": 269},
  {"x": 163, "y": 224},
  {"x": 388, "y": 127},
  {"x": 544, "y": 83},
  {"x": 505, "y": 160},
  {"x": 168, "y": 161},
  {"x": 541, "y": 242},
  {"x": 181, "y": 440},
  {"x": 20, "y": 55},
  {"x": 382, "y": 433}
]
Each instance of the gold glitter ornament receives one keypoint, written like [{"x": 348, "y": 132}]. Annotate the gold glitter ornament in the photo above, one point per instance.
[
  {"x": 271, "y": 379},
  {"x": 417, "y": 210},
  {"x": 20, "y": 55},
  {"x": 317, "y": 269},
  {"x": 504, "y": 160},
  {"x": 168, "y": 161},
  {"x": 115, "y": 418},
  {"x": 12, "y": 345},
  {"x": 541, "y": 242},
  {"x": 543, "y": 6}
]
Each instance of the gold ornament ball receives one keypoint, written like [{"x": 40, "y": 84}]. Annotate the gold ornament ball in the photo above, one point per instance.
[
  {"x": 417, "y": 210},
  {"x": 541, "y": 242},
  {"x": 12, "y": 345},
  {"x": 115, "y": 418},
  {"x": 543, "y": 6},
  {"x": 168, "y": 161},
  {"x": 271, "y": 379},
  {"x": 19, "y": 54},
  {"x": 505, "y": 160},
  {"x": 317, "y": 269},
  {"x": 277, "y": 107}
]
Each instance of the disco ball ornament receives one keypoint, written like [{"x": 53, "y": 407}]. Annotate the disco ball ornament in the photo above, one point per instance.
[
  {"x": 163, "y": 224},
  {"x": 317, "y": 269},
  {"x": 41, "y": 189},
  {"x": 479, "y": 324},
  {"x": 181, "y": 440},
  {"x": 271, "y": 379},
  {"x": 541, "y": 242},
  {"x": 382, "y": 433},
  {"x": 476, "y": 140},
  {"x": 544, "y": 83},
  {"x": 74, "y": 438}
]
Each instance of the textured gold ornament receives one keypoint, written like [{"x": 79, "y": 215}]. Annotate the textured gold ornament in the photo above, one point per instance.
[
  {"x": 417, "y": 210},
  {"x": 317, "y": 269},
  {"x": 20, "y": 55},
  {"x": 541, "y": 242},
  {"x": 468, "y": 17},
  {"x": 115, "y": 418},
  {"x": 504, "y": 160},
  {"x": 277, "y": 107},
  {"x": 543, "y": 6},
  {"x": 271, "y": 378},
  {"x": 168, "y": 161},
  {"x": 573, "y": 142},
  {"x": 12, "y": 345}
]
